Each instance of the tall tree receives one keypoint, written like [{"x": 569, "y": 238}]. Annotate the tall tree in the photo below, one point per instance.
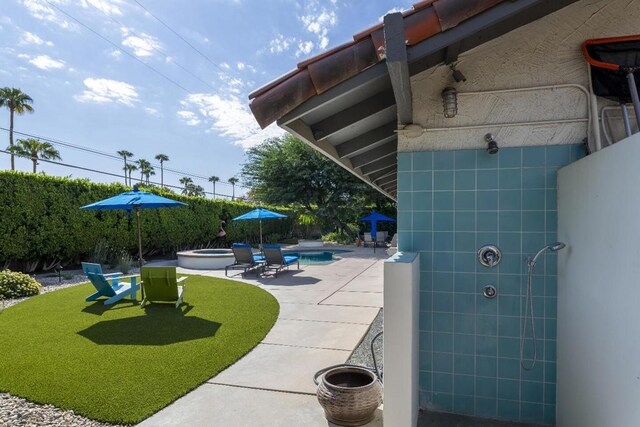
[
  {"x": 233, "y": 181},
  {"x": 186, "y": 181},
  {"x": 128, "y": 168},
  {"x": 142, "y": 167},
  {"x": 213, "y": 179},
  {"x": 17, "y": 102},
  {"x": 34, "y": 149},
  {"x": 286, "y": 171},
  {"x": 148, "y": 172},
  {"x": 162, "y": 158},
  {"x": 125, "y": 154},
  {"x": 194, "y": 190}
]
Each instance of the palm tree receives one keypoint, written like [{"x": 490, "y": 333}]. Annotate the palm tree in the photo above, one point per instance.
[
  {"x": 128, "y": 168},
  {"x": 148, "y": 172},
  {"x": 214, "y": 179},
  {"x": 186, "y": 181},
  {"x": 34, "y": 149},
  {"x": 17, "y": 102},
  {"x": 142, "y": 166},
  {"x": 194, "y": 190},
  {"x": 162, "y": 158},
  {"x": 233, "y": 181},
  {"x": 124, "y": 154}
]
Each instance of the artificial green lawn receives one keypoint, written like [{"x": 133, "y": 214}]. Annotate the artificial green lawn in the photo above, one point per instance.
[{"x": 121, "y": 363}]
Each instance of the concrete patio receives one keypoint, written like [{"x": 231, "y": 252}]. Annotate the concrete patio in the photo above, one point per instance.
[{"x": 325, "y": 310}]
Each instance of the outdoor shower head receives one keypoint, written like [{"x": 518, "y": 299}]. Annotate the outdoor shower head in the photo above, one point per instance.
[
  {"x": 492, "y": 144},
  {"x": 553, "y": 247}
]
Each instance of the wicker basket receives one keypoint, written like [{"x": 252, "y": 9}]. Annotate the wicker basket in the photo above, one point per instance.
[{"x": 349, "y": 395}]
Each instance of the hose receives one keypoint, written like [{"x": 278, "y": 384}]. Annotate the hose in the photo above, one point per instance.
[{"x": 528, "y": 309}]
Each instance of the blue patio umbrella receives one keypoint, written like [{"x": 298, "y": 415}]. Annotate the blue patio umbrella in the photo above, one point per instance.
[
  {"x": 374, "y": 218},
  {"x": 134, "y": 201},
  {"x": 259, "y": 214}
]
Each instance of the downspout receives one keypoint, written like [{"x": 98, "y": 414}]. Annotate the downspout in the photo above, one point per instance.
[{"x": 594, "y": 120}]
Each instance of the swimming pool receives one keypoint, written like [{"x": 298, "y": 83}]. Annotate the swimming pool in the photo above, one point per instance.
[{"x": 317, "y": 256}]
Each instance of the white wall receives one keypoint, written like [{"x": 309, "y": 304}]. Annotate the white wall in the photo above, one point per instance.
[
  {"x": 401, "y": 309},
  {"x": 545, "y": 52},
  {"x": 599, "y": 289}
]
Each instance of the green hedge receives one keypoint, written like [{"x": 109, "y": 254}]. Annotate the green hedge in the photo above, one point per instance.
[{"x": 41, "y": 222}]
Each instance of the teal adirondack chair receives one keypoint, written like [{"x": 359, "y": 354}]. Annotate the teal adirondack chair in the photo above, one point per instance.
[
  {"x": 114, "y": 291},
  {"x": 89, "y": 267},
  {"x": 161, "y": 284}
]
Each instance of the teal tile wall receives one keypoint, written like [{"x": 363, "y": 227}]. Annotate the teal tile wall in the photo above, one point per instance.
[{"x": 449, "y": 205}]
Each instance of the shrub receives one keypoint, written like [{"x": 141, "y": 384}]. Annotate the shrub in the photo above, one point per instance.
[
  {"x": 124, "y": 262},
  {"x": 42, "y": 222},
  {"x": 100, "y": 253},
  {"x": 339, "y": 238},
  {"x": 17, "y": 285}
]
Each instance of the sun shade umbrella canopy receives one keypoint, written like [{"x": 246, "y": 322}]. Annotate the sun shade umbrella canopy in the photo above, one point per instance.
[
  {"x": 259, "y": 214},
  {"x": 134, "y": 201},
  {"x": 374, "y": 218}
]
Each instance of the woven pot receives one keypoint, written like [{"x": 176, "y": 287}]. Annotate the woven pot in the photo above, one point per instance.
[{"x": 349, "y": 395}]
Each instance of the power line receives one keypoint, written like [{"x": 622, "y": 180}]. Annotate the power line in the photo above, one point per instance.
[
  {"x": 111, "y": 156},
  {"x": 186, "y": 41},
  {"x": 169, "y": 79},
  {"x": 105, "y": 173}
]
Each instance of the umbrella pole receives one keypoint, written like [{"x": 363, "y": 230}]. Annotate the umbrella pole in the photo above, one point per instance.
[
  {"x": 260, "y": 235},
  {"x": 139, "y": 248}
]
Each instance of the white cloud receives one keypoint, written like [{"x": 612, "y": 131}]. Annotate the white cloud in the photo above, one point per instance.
[
  {"x": 142, "y": 44},
  {"x": 393, "y": 10},
  {"x": 115, "y": 54},
  {"x": 45, "y": 62},
  {"x": 229, "y": 116},
  {"x": 102, "y": 91},
  {"x": 281, "y": 43},
  {"x": 241, "y": 65},
  {"x": 108, "y": 7},
  {"x": 318, "y": 20},
  {"x": 44, "y": 12},
  {"x": 30, "y": 38},
  {"x": 225, "y": 66},
  {"x": 304, "y": 48},
  {"x": 189, "y": 117},
  {"x": 152, "y": 111}
]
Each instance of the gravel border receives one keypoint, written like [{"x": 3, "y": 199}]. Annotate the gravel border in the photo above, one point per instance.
[
  {"x": 362, "y": 353},
  {"x": 16, "y": 411}
]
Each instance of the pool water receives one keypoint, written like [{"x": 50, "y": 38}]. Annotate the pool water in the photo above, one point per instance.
[{"x": 314, "y": 257}]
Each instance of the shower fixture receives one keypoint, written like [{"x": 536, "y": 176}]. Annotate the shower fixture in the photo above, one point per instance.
[
  {"x": 492, "y": 144},
  {"x": 489, "y": 255},
  {"x": 528, "y": 306},
  {"x": 457, "y": 74}
]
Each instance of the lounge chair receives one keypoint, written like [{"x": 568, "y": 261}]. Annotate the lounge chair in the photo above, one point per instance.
[
  {"x": 276, "y": 260},
  {"x": 89, "y": 267},
  {"x": 161, "y": 284},
  {"x": 245, "y": 259},
  {"x": 114, "y": 291}
]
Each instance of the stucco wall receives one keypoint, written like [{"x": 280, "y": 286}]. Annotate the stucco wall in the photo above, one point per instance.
[{"x": 546, "y": 52}]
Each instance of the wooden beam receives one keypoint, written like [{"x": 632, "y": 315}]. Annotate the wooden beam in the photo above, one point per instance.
[
  {"x": 398, "y": 65},
  {"x": 352, "y": 115},
  {"x": 392, "y": 170},
  {"x": 387, "y": 180},
  {"x": 367, "y": 141},
  {"x": 388, "y": 149},
  {"x": 389, "y": 187},
  {"x": 379, "y": 165}
]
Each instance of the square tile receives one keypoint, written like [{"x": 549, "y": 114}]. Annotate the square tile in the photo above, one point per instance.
[
  {"x": 443, "y": 241},
  {"x": 534, "y": 178},
  {"x": 509, "y": 347},
  {"x": 443, "y": 342},
  {"x": 465, "y": 159},
  {"x": 510, "y": 157},
  {"x": 443, "y": 362},
  {"x": 531, "y": 412},
  {"x": 509, "y": 305},
  {"x": 486, "y": 407},
  {"x": 404, "y": 162},
  {"x": 464, "y": 323},
  {"x": 488, "y": 179},
  {"x": 534, "y": 200},
  {"x": 422, "y": 161},
  {"x": 443, "y": 301},
  {"x": 404, "y": 181},
  {"x": 486, "y": 366},
  {"x": 443, "y": 322},
  {"x": 508, "y": 410},
  {"x": 465, "y": 200},
  {"x": 443, "y": 261},
  {"x": 465, "y": 303},
  {"x": 508, "y": 389},
  {"x": 443, "y": 221},
  {"x": 463, "y": 384},
  {"x": 443, "y": 160},
  {"x": 442, "y": 402},
  {"x": 465, "y": 261},
  {"x": 487, "y": 387},
  {"x": 486, "y": 306},
  {"x": 443, "y": 282},
  {"x": 421, "y": 201},
  {"x": 531, "y": 391},
  {"x": 534, "y": 157},
  {"x": 443, "y": 180},
  {"x": 487, "y": 221},
  {"x": 465, "y": 344},
  {"x": 465, "y": 221},
  {"x": 510, "y": 200},
  {"x": 486, "y": 346},
  {"x": 509, "y": 326},
  {"x": 510, "y": 220},
  {"x": 422, "y": 241},
  {"x": 465, "y": 241},
  {"x": 509, "y": 368},
  {"x": 442, "y": 382},
  {"x": 443, "y": 200},
  {"x": 422, "y": 181},
  {"x": 510, "y": 179},
  {"x": 487, "y": 200},
  {"x": 486, "y": 324},
  {"x": 510, "y": 242},
  {"x": 485, "y": 160},
  {"x": 465, "y": 179},
  {"x": 558, "y": 155},
  {"x": 463, "y": 404},
  {"x": 533, "y": 221},
  {"x": 405, "y": 201},
  {"x": 421, "y": 221}
]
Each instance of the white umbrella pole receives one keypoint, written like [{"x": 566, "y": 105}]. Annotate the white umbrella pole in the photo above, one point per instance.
[{"x": 260, "y": 235}]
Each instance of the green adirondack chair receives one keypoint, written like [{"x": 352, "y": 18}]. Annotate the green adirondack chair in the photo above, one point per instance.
[{"x": 161, "y": 284}]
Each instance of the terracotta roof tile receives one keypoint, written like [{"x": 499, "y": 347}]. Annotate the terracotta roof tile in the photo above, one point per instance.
[{"x": 328, "y": 69}]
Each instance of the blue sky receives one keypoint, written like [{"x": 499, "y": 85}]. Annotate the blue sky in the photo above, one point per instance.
[{"x": 89, "y": 93}]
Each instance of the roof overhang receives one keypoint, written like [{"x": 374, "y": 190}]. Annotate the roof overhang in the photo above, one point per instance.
[{"x": 354, "y": 121}]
